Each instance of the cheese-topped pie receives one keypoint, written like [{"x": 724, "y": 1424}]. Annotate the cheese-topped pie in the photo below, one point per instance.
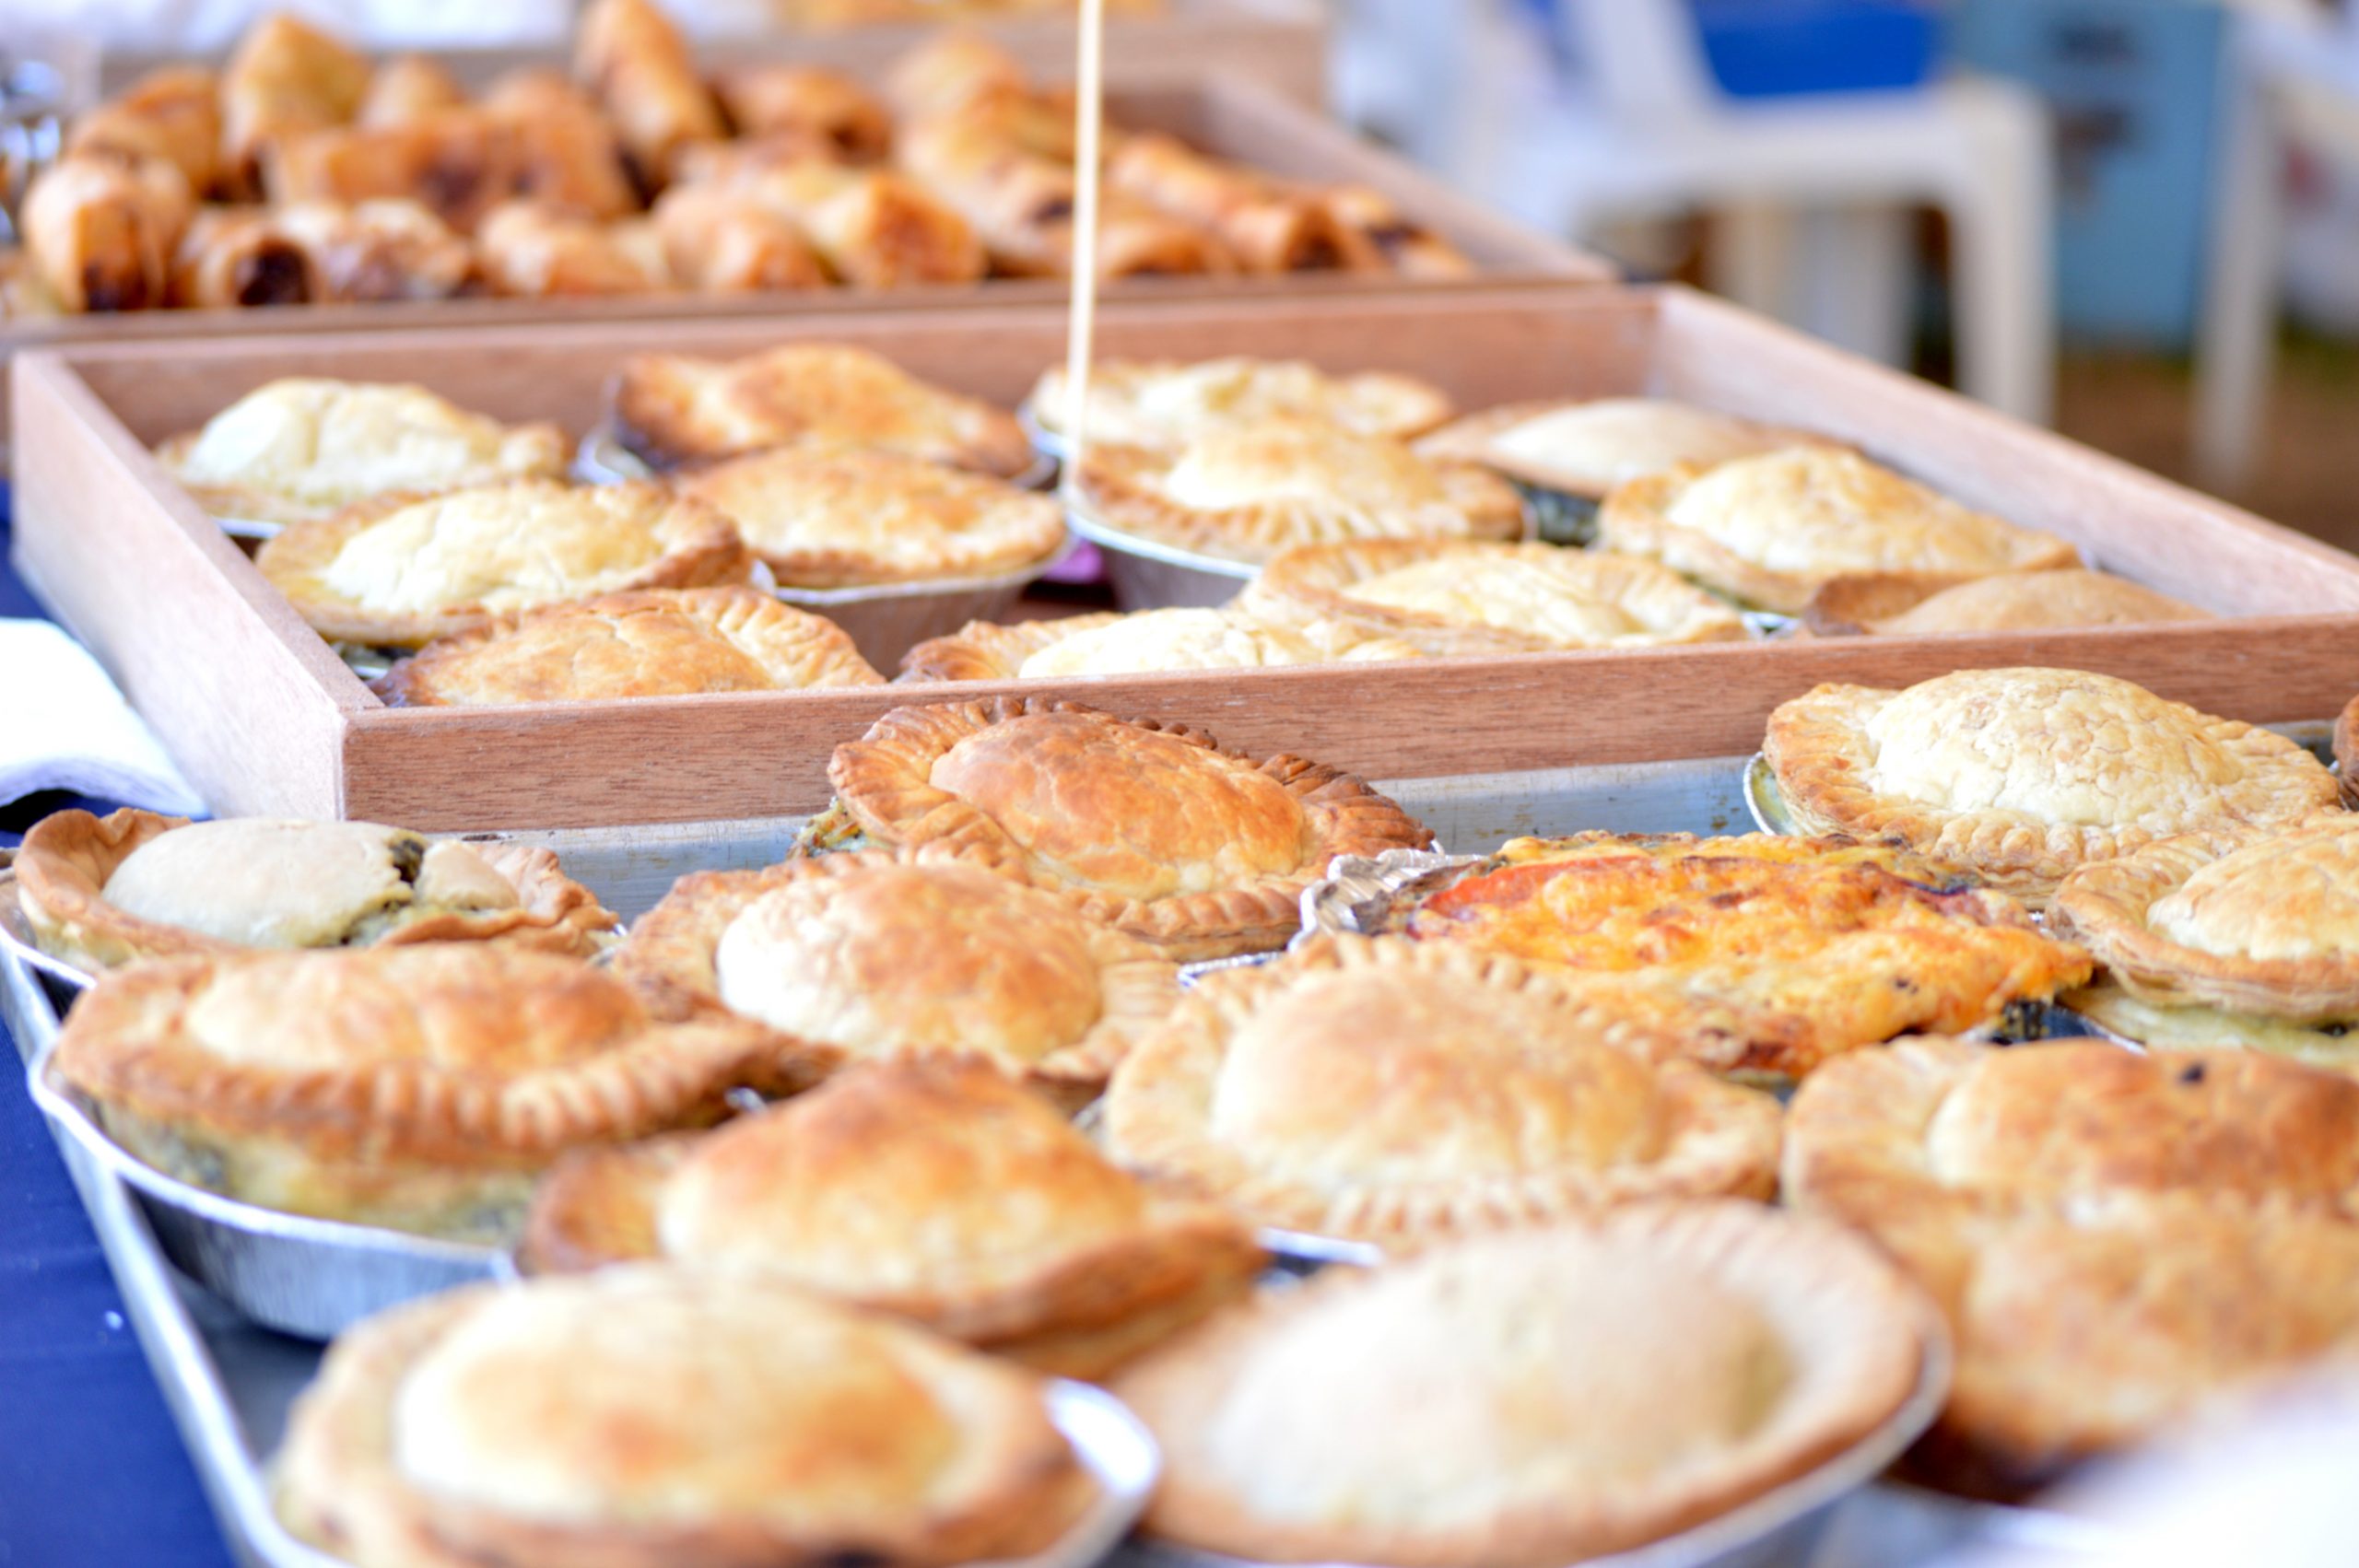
[
  {"x": 1771, "y": 530},
  {"x": 846, "y": 519},
  {"x": 419, "y": 1086},
  {"x": 1585, "y": 447},
  {"x": 400, "y": 571},
  {"x": 99, "y": 892},
  {"x": 1388, "y": 1091},
  {"x": 1531, "y": 1396},
  {"x": 644, "y": 1418},
  {"x": 1200, "y": 851},
  {"x": 2116, "y": 1237},
  {"x": 306, "y": 448},
  {"x": 2017, "y": 775},
  {"x": 935, "y": 1190},
  {"x": 2065, "y": 596},
  {"x": 1113, "y": 644},
  {"x": 1164, "y": 404},
  {"x": 878, "y": 956}
]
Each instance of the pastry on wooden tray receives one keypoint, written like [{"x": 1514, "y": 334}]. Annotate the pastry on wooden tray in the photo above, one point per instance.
[
  {"x": 1379, "y": 237},
  {"x": 875, "y": 227},
  {"x": 633, "y": 59},
  {"x": 1109, "y": 643},
  {"x": 824, "y": 109},
  {"x": 241, "y": 256},
  {"x": 1166, "y": 404},
  {"x": 285, "y": 77},
  {"x": 2034, "y": 601},
  {"x": 2015, "y": 777},
  {"x": 935, "y": 1190},
  {"x": 720, "y": 242},
  {"x": 1267, "y": 225},
  {"x": 459, "y": 164},
  {"x": 1529, "y": 1398},
  {"x": 172, "y": 112},
  {"x": 102, "y": 233},
  {"x": 532, "y": 249},
  {"x": 1585, "y": 447},
  {"x": 407, "y": 88},
  {"x": 378, "y": 251},
  {"x": 566, "y": 150}
]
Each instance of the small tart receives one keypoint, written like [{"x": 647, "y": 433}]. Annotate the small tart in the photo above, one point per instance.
[
  {"x": 1586, "y": 447},
  {"x": 932, "y": 1190},
  {"x": 1387, "y": 1092},
  {"x": 2010, "y": 602},
  {"x": 402, "y": 571},
  {"x": 641, "y": 1418},
  {"x": 1531, "y": 1397},
  {"x": 419, "y": 1087},
  {"x": 1199, "y": 852},
  {"x": 299, "y": 449},
  {"x": 670, "y": 409},
  {"x": 2330, "y": 1043},
  {"x": 848, "y": 518},
  {"x": 2018, "y": 775},
  {"x": 1113, "y": 644},
  {"x": 99, "y": 892},
  {"x": 880, "y": 956},
  {"x": 1164, "y": 403},
  {"x": 1244, "y": 492},
  {"x": 657, "y": 642},
  {"x": 1771, "y": 530}
]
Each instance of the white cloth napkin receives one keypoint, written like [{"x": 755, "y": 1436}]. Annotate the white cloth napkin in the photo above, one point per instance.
[{"x": 64, "y": 726}]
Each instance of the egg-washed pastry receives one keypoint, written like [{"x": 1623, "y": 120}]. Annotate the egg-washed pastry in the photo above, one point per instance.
[
  {"x": 824, "y": 110},
  {"x": 875, "y": 228},
  {"x": 648, "y": 1417},
  {"x": 1533, "y": 1396},
  {"x": 1115, "y": 644},
  {"x": 1585, "y": 447},
  {"x": 2015, "y": 777},
  {"x": 401, "y": 571},
  {"x": 407, "y": 88},
  {"x": 459, "y": 164},
  {"x": 2034, "y": 601},
  {"x": 1166, "y": 404},
  {"x": 2117, "y": 1238},
  {"x": 1268, "y": 226},
  {"x": 172, "y": 112},
  {"x": 285, "y": 77},
  {"x": 1771, "y": 530},
  {"x": 720, "y": 241},
  {"x": 530, "y": 250},
  {"x": 1199, "y": 852},
  {"x": 419, "y": 1086},
  {"x": 229, "y": 257},
  {"x": 628, "y": 53},
  {"x": 950, "y": 69},
  {"x": 102, "y": 233},
  {"x": 303, "y": 448},
  {"x": 378, "y": 251},
  {"x": 935, "y": 1190},
  {"x": 99, "y": 892},
  {"x": 567, "y": 154},
  {"x": 848, "y": 518},
  {"x": 1379, "y": 237}
]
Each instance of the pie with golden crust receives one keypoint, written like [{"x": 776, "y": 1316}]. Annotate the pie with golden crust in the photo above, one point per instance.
[
  {"x": 1586, "y": 447},
  {"x": 421, "y": 1087},
  {"x": 1771, "y": 530},
  {"x": 2115, "y": 1238},
  {"x": 1110, "y": 643},
  {"x": 1530, "y": 1397},
  {"x": 1385, "y": 1091},
  {"x": 932, "y": 1190},
  {"x": 649, "y": 1418},
  {"x": 1166, "y": 404},
  {"x": 656, "y": 642},
  {"x": 99, "y": 892},
  {"x": 402, "y": 571},
  {"x": 880, "y": 954},
  {"x": 2111, "y": 1006},
  {"x": 2033, "y": 600},
  {"x": 1199, "y": 852},
  {"x": 2015, "y": 777}
]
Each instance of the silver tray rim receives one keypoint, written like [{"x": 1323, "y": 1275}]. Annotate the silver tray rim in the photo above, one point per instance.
[
  {"x": 18, "y": 944},
  {"x": 600, "y": 458},
  {"x": 1081, "y": 520}
]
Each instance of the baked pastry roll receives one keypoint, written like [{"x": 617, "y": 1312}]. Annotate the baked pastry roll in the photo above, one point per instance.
[
  {"x": 400, "y": 570},
  {"x": 286, "y": 76},
  {"x": 459, "y": 164},
  {"x": 632, "y": 56},
  {"x": 233, "y": 257},
  {"x": 408, "y": 87},
  {"x": 2116, "y": 1238},
  {"x": 2065, "y": 596},
  {"x": 1200, "y": 851},
  {"x": 952, "y": 68},
  {"x": 826, "y": 111},
  {"x": 670, "y": 409},
  {"x": 99, "y": 892},
  {"x": 301, "y": 449},
  {"x": 882, "y": 956},
  {"x": 376, "y": 251},
  {"x": 847, "y": 517},
  {"x": 173, "y": 114},
  {"x": 1113, "y": 644},
  {"x": 1379, "y": 237},
  {"x": 102, "y": 232},
  {"x": 647, "y": 1418},
  {"x": 2016, "y": 777},
  {"x": 876, "y": 229},
  {"x": 1771, "y": 530},
  {"x": 1585, "y": 447},
  {"x": 566, "y": 152},
  {"x": 719, "y": 242},
  {"x": 1164, "y": 404},
  {"x": 1268, "y": 226},
  {"x": 1533, "y": 1396},
  {"x": 537, "y": 252}
]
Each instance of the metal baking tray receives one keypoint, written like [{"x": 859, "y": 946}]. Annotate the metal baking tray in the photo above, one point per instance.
[{"x": 1149, "y": 576}]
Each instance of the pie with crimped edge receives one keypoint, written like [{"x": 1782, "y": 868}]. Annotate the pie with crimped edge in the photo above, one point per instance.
[
  {"x": 1769, "y": 531},
  {"x": 1110, "y": 643},
  {"x": 1165, "y": 403},
  {"x": 934, "y": 1189},
  {"x": 2018, "y": 775},
  {"x": 886, "y": 954},
  {"x": 1530, "y": 1398},
  {"x": 99, "y": 892},
  {"x": 2061, "y": 596},
  {"x": 1585, "y": 447},
  {"x": 401, "y": 571},
  {"x": 1201, "y": 852},
  {"x": 650, "y": 1418},
  {"x": 419, "y": 1087},
  {"x": 2117, "y": 1238}
]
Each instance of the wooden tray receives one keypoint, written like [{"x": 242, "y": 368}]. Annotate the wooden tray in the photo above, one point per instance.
[{"x": 264, "y": 719}]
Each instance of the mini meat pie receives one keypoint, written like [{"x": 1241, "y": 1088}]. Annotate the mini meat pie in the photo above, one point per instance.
[
  {"x": 2065, "y": 596},
  {"x": 1112, "y": 644},
  {"x": 1164, "y": 404},
  {"x": 1585, "y": 447}
]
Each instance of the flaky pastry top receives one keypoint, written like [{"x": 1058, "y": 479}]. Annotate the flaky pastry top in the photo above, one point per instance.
[
  {"x": 1164, "y": 404},
  {"x": 1586, "y": 448}
]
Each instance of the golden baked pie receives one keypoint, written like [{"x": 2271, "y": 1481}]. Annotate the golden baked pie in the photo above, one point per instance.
[
  {"x": 420, "y": 1087},
  {"x": 1199, "y": 852},
  {"x": 1163, "y": 405},
  {"x": 850, "y": 518},
  {"x": 670, "y": 409},
  {"x": 645, "y": 1418},
  {"x": 102, "y": 891},
  {"x": 2064, "y": 596},
  {"x": 1113, "y": 644},
  {"x": 935, "y": 1190},
  {"x": 1586, "y": 447},
  {"x": 877, "y": 955},
  {"x": 2017, "y": 775},
  {"x": 1530, "y": 1397},
  {"x": 2115, "y": 1238},
  {"x": 1390, "y": 1092},
  {"x": 402, "y": 571},
  {"x": 1244, "y": 492},
  {"x": 1771, "y": 530},
  {"x": 306, "y": 448},
  {"x": 656, "y": 642},
  {"x": 1759, "y": 953}
]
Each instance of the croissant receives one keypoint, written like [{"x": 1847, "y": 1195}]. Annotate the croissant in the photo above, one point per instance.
[
  {"x": 378, "y": 251},
  {"x": 824, "y": 109},
  {"x": 723, "y": 241},
  {"x": 539, "y": 251},
  {"x": 102, "y": 231},
  {"x": 408, "y": 87},
  {"x": 173, "y": 114},
  {"x": 1267, "y": 226},
  {"x": 874, "y": 228},
  {"x": 459, "y": 162},
  {"x": 1384, "y": 238},
  {"x": 286, "y": 76},
  {"x": 639, "y": 66},
  {"x": 236, "y": 256},
  {"x": 570, "y": 156}
]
